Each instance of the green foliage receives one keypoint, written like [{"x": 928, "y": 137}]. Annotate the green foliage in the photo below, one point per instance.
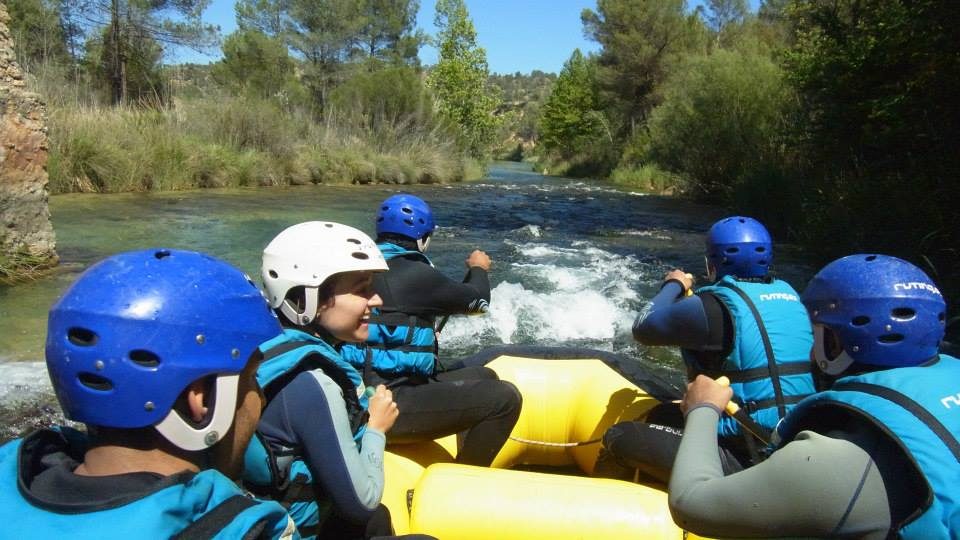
[
  {"x": 722, "y": 114},
  {"x": 572, "y": 121},
  {"x": 648, "y": 178},
  {"x": 389, "y": 95},
  {"x": 257, "y": 65},
  {"x": 640, "y": 39},
  {"x": 880, "y": 82},
  {"x": 37, "y": 32},
  {"x": 459, "y": 80},
  {"x": 237, "y": 142},
  {"x": 142, "y": 81}
]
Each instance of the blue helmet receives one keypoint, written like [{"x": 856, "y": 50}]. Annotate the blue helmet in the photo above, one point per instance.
[
  {"x": 884, "y": 311},
  {"x": 137, "y": 328},
  {"x": 739, "y": 246},
  {"x": 406, "y": 215}
]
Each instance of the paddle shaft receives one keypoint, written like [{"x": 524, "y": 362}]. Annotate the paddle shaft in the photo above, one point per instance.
[{"x": 742, "y": 418}]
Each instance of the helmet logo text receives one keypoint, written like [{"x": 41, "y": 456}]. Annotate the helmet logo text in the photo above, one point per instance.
[{"x": 916, "y": 285}]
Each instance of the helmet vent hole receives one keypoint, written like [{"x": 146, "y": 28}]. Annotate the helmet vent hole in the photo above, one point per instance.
[
  {"x": 360, "y": 255},
  {"x": 890, "y": 338},
  {"x": 732, "y": 250},
  {"x": 406, "y": 210},
  {"x": 860, "y": 320},
  {"x": 759, "y": 249},
  {"x": 942, "y": 316},
  {"x": 82, "y": 337},
  {"x": 95, "y": 382},
  {"x": 871, "y": 257},
  {"x": 354, "y": 241},
  {"x": 408, "y": 221},
  {"x": 380, "y": 219},
  {"x": 328, "y": 225},
  {"x": 162, "y": 254},
  {"x": 762, "y": 262},
  {"x": 144, "y": 358},
  {"x": 273, "y": 274},
  {"x": 903, "y": 314}
]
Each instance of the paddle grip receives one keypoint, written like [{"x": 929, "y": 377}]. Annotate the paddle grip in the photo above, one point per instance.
[{"x": 732, "y": 408}]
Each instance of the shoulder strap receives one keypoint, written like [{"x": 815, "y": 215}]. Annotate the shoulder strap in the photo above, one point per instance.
[
  {"x": 910, "y": 406},
  {"x": 215, "y": 520},
  {"x": 768, "y": 347}
]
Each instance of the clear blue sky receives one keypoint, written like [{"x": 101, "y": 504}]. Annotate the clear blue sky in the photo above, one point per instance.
[{"x": 519, "y": 35}]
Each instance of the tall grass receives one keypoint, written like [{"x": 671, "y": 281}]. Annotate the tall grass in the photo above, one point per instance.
[{"x": 234, "y": 141}]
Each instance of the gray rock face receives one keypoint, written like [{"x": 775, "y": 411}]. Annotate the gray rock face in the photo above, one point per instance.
[{"x": 26, "y": 234}]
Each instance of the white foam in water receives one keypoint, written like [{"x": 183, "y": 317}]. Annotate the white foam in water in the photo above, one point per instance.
[
  {"x": 563, "y": 294},
  {"x": 22, "y": 380}
]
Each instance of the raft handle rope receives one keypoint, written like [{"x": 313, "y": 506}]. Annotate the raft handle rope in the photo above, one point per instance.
[{"x": 554, "y": 444}]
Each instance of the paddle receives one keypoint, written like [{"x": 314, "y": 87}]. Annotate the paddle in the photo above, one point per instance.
[{"x": 743, "y": 418}]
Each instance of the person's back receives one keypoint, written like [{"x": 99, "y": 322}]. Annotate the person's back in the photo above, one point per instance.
[
  {"x": 142, "y": 351},
  {"x": 746, "y": 326},
  {"x": 402, "y": 349},
  {"x": 873, "y": 456}
]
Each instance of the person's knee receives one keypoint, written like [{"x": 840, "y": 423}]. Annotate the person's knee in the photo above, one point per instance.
[{"x": 507, "y": 397}]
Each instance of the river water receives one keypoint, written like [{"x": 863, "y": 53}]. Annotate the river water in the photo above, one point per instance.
[{"x": 573, "y": 260}]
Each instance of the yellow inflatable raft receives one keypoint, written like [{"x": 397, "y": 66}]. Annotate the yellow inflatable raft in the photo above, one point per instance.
[{"x": 570, "y": 398}]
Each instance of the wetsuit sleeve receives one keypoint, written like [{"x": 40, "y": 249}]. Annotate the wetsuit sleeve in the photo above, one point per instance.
[
  {"x": 419, "y": 288},
  {"x": 670, "y": 320},
  {"x": 814, "y": 486},
  {"x": 315, "y": 412}
]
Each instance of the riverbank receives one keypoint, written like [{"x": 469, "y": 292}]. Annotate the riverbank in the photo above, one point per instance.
[{"x": 239, "y": 142}]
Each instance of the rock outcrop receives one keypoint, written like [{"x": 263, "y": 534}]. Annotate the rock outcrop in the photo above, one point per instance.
[{"x": 27, "y": 241}]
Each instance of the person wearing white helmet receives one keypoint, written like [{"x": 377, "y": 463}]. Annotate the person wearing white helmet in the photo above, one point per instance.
[{"x": 319, "y": 445}]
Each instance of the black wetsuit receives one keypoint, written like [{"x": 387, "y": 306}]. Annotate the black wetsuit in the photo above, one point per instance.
[
  {"x": 703, "y": 326},
  {"x": 471, "y": 400}
]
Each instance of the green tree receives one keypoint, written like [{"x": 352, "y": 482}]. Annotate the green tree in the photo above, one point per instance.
[
  {"x": 722, "y": 115},
  {"x": 134, "y": 29},
  {"x": 387, "y": 31},
  {"x": 571, "y": 120},
  {"x": 37, "y": 29},
  {"x": 880, "y": 81},
  {"x": 459, "y": 80},
  {"x": 639, "y": 40},
  {"x": 256, "y": 64},
  {"x": 393, "y": 95},
  {"x": 142, "y": 80}
]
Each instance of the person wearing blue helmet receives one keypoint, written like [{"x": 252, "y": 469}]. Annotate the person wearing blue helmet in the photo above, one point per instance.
[
  {"x": 746, "y": 326},
  {"x": 874, "y": 454},
  {"x": 156, "y": 352},
  {"x": 402, "y": 352}
]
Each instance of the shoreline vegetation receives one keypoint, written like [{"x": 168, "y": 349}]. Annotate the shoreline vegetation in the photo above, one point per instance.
[{"x": 236, "y": 142}]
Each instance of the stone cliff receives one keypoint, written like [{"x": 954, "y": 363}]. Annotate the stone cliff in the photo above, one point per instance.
[{"x": 27, "y": 241}]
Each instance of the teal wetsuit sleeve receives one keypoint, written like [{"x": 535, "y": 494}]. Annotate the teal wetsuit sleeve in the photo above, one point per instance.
[
  {"x": 670, "y": 320},
  {"x": 814, "y": 486}
]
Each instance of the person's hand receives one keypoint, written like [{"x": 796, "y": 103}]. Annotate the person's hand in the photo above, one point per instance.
[
  {"x": 480, "y": 259},
  {"x": 685, "y": 279},
  {"x": 702, "y": 390},
  {"x": 383, "y": 410}
]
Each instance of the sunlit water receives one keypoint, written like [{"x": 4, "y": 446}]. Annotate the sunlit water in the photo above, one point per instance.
[{"x": 573, "y": 260}]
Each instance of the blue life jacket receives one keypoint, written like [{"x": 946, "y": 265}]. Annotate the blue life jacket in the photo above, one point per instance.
[
  {"x": 919, "y": 407},
  {"x": 769, "y": 363},
  {"x": 280, "y": 473},
  {"x": 187, "y": 505},
  {"x": 400, "y": 343}
]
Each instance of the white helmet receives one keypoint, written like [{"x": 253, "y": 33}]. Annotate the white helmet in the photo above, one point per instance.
[{"x": 305, "y": 255}]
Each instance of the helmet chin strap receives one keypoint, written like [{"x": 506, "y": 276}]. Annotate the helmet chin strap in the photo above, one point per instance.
[
  {"x": 176, "y": 430},
  {"x": 423, "y": 243},
  {"x": 309, "y": 313},
  {"x": 711, "y": 271},
  {"x": 830, "y": 366}
]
